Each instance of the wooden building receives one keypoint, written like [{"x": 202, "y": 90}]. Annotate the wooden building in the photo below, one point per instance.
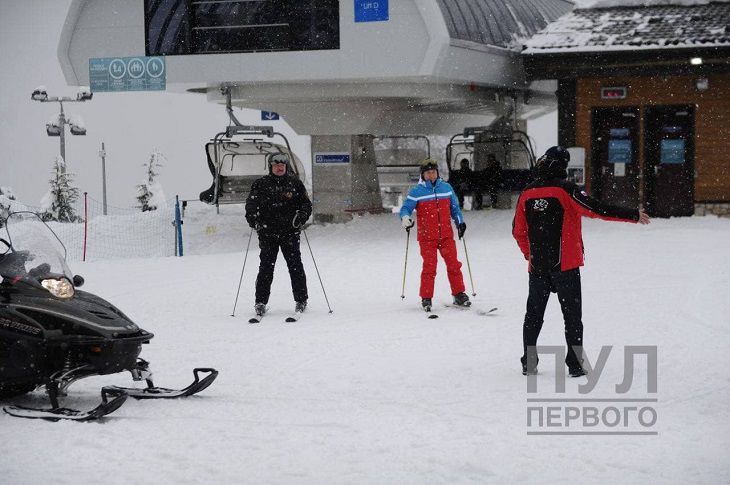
[{"x": 646, "y": 92}]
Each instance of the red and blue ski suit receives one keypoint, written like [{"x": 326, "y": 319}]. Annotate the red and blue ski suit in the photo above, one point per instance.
[{"x": 435, "y": 205}]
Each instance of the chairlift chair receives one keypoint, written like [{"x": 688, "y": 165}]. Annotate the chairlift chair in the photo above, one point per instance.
[
  {"x": 398, "y": 166},
  {"x": 238, "y": 156},
  {"x": 512, "y": 148}
]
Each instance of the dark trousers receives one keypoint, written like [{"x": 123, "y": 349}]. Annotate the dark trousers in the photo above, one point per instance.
[
  {"x": 461, "y": 190},
  {"x": 567, "y": 285},
  {"x": 289, "y": 244}
]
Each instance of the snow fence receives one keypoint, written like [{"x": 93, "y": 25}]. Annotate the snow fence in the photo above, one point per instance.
[{"x": 122, "y": 233}]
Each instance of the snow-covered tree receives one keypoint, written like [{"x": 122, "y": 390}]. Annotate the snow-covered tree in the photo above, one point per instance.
[
  {"x": 149, "y": 193},
  {"x": 6, "y": 196},
  {"x": 57, "y": 204}
]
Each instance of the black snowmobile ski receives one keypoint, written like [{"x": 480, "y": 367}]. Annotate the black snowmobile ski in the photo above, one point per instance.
[
  {"x": 153, "y": 392},
  {"x": 107, "y": 406}
]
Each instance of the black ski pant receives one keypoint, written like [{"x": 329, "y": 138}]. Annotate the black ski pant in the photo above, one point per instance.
[
  {"x": 567, "y": 285},
  {"x": 289, "y": 245}
]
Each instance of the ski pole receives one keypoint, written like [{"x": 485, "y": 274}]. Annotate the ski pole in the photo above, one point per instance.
[
  {"x": 233, "y": 314},
  {"x": 405, "y": 265},
  {"x": 317, "y": 270},
  {"x": 473, "y": 293}
]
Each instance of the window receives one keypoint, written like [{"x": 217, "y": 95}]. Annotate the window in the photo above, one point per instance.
[{"x": 175, "y": 27}]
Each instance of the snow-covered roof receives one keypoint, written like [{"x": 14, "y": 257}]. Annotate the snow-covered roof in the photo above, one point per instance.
[
  {"x": 620, "y": 28},
  {"x": 501, "y": 23}
]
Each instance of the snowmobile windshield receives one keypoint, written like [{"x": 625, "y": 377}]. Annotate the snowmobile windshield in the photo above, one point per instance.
[{"x": 35, "y": 251}]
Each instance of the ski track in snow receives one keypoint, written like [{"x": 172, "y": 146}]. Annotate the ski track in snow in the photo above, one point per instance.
[{"x": 377, "y": 393}]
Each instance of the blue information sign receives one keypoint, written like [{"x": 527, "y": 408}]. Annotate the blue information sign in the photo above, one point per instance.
[
  {"x": 371, "y": 10},
  {"x": 269, "y": 116},
  {"x": 619, "y": 151},
  {"x": 329, "y": 158},
  {"x": 672, "y": 151},
  {"x": 127, "y": 74}
]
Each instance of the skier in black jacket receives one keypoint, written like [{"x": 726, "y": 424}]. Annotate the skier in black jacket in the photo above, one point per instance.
[
  {"x": 277, "y": 208},
  {"x": 548, "y": 231}
]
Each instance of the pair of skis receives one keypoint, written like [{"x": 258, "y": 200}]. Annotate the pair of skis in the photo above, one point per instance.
[
  {"x": 430, "y": 314},
  {"x": 294, "y": 317}
]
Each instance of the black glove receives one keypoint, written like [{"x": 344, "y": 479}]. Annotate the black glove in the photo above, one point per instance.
[
  {"x": 299, "y": 219},
  {"x": 461, "y": 228},
  {"x": 255, "y": 225}
]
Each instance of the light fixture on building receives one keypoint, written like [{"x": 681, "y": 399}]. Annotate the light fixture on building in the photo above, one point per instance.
[
  {"x": 702, "y": 84},
  {"x": 696, "y": 61}
]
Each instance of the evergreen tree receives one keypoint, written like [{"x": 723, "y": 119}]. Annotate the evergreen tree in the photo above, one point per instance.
[
  {"x": 149, "y": 193},
  {"x": 57, "y": 204},
  {"x": 6, "y": 196}
]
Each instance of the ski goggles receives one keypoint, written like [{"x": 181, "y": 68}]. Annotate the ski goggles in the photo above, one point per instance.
[{"x": 278, "y": 158}]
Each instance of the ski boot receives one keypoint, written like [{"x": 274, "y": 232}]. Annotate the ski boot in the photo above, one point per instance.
[
  {"x": 426, "y": 304},
  {"x": 300, "y": 306},
  {"x": 260, "y": 309},
  {"x": 461, "y": 299},
  {"x": 528, "y": 371},
  {"x": 576, "y": 372}
]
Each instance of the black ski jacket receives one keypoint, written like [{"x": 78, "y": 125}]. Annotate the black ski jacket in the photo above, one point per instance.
[
  {"x": 274, "y": 201},
  {"x": 547, "y": 223}
]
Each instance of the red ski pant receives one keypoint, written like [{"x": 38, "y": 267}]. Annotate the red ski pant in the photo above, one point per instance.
[{"x": 447, "y": 247}]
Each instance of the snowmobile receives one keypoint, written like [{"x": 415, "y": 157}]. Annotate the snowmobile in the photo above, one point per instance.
[{"x": 52, "y": 334}]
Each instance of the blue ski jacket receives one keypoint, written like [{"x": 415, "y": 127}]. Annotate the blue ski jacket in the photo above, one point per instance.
[{"x": 435, "y": 205}]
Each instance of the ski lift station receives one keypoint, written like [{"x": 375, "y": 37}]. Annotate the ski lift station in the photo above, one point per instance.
[{"x": 366, "y": 79}]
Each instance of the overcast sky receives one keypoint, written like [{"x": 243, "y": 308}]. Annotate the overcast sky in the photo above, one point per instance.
[{"x": 130, "y": 124}]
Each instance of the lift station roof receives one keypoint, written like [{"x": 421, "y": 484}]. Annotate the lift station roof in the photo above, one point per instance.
[{"x": 329, "y": 66}]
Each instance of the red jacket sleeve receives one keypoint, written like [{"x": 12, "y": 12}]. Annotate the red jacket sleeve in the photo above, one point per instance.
[
  {"x": 519, "y": 229},
  {"x": 587, "y": 206}
]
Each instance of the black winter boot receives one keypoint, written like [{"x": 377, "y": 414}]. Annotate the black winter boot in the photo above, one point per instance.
[
  {"x": 461, "y": 299},
  {"x": 528, "y": 372},
  {"x": 300, "y": 306},
  {"x": 260, "y": 309},
  {"x": 576, "y": 372},
  {"x": 426, "y": 304}
]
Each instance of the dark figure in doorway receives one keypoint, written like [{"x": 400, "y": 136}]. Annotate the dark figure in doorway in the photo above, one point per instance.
[
  {"x": 277, "y": 207},
  {"x": 463, "y": 181},
  {"x": 491, "y": 178},
  {"x": 548, "y": 231}
]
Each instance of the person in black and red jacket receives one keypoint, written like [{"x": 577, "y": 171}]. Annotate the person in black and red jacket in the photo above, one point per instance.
[{"x": 547, "y": 227}]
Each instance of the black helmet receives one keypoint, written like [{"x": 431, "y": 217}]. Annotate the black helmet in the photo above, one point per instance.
[
  {"x": 428, "y": 164},
  {"x": 275, "y": 158},
  {"x": 553, "y": 164},
  {"x": 555, "y": 157}
]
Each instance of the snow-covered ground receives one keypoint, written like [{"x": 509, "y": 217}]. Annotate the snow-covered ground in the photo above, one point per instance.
[{"x": 375, "y": 392}]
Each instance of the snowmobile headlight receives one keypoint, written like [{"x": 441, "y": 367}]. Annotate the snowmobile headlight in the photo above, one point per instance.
[{"x": 60, "y": 288}]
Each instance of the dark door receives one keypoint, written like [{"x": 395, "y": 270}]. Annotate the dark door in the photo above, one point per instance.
[
  {"x": 669, "y": 160},
  {"x": 615, "y": 160}
]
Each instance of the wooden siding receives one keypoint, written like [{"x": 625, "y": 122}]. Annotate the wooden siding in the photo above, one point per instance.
[{"x": 712, "y": 121}]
